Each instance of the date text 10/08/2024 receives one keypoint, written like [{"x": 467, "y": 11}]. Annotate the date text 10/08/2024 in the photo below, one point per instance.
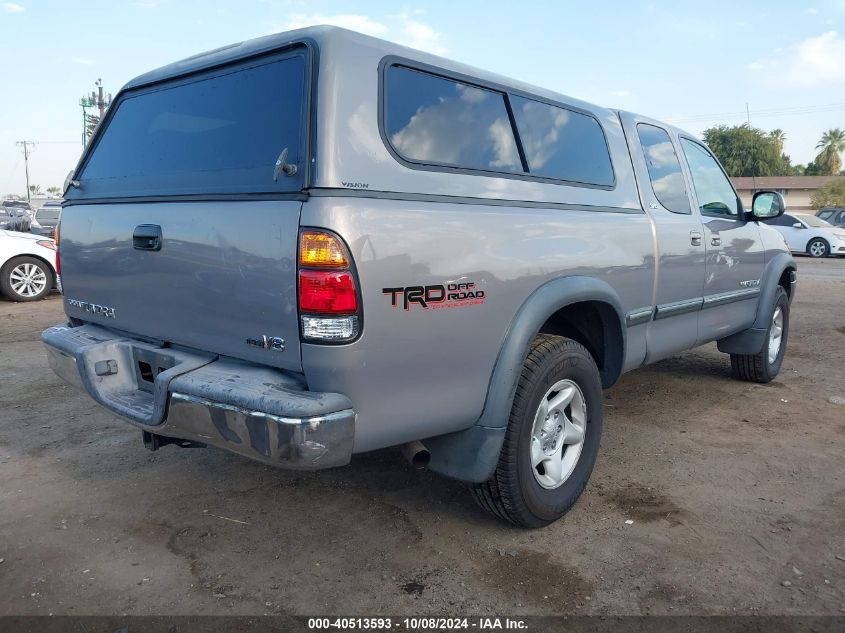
[{"x": 417, "y": 624}]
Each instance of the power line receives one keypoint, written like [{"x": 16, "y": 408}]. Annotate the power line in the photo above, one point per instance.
[{"x": 745, "y": 114}]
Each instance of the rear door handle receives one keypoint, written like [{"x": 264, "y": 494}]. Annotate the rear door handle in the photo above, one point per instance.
[
  {"x": 147, "y": 237},
  {"x": 695, "y": 238},
  {"x": 715, "y": 240}
]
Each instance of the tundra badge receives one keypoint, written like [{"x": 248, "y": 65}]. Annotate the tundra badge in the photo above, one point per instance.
[{"x": 275, "y": 343}]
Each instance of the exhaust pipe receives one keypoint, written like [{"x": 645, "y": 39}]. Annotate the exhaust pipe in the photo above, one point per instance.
[{"x": 416, "y": 453}]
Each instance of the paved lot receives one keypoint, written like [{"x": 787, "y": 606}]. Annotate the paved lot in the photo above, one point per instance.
[{"x": 736, "y": 492}]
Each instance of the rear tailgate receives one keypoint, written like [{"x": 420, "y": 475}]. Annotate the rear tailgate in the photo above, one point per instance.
[
  {"x": 225, "y": 273},
  {"x": 182, "y": 224}
]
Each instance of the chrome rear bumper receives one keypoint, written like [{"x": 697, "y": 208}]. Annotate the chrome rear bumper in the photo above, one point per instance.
[{"x": 259, "y": 412}]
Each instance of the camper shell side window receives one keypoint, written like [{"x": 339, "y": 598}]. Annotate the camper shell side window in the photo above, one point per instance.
[{"x": 433, "y": 119}]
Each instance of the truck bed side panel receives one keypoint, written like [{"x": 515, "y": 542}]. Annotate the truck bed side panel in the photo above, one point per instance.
[{"x": 422, "y": 372}]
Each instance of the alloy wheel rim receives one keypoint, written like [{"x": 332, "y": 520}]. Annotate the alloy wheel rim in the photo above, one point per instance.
[
  {"x": 557, "y": 435},
  {"x": 775, "y": 335},
  {"x": 817, "y": 249},
  {"x": 28, "y": 280}
]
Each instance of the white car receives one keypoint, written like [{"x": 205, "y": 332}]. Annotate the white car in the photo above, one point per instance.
[
  {"x": 805, "y": 233},
  {"x": 27, "y": 266}
]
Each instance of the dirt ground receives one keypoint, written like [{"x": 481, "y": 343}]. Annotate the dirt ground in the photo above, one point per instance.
[{"x": 736, "y": 492}]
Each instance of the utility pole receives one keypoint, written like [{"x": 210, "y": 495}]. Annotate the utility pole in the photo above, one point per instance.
[
  {"x": 95, "y": 99},
  {"x": 101, "y": 104},
  {"x": 26, "y": 145}
]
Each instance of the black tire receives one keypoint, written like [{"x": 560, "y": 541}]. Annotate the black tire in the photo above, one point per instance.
[
  {"x": 6, "y": 281},
  {"x": 822, "y": 248},
  {"x": 757, "y": 367},
  {"x": 513, "y": 493}
]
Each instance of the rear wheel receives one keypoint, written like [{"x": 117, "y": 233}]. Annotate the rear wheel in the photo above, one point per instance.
[
  {"x": 552, "y": 437},
  {"x": 765, "y": 365},
  {"x": 26, "y": 279},
  {"x": 818, "y": 248}
]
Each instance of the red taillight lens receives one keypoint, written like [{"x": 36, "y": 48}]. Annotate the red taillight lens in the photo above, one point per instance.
[
  {"x": 58, "y": 259},
  {"x": 327, "y": 292}
]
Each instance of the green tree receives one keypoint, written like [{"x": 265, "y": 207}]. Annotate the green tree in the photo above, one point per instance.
[
  {"x": 830, "y": 195},
  {"x": 779, "y": 137},
  {"x": 35, "y": 190},
  {"x": 54, "y": 191},
  {"x": 747, "y": 151},
  {"x": 832, "y": 144}
]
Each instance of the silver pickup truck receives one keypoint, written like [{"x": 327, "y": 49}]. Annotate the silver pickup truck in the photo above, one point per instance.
[{"x": 317, "y": 244}]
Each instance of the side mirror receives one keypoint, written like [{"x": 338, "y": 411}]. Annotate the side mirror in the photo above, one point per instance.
[
  {"x": 797, "y": 225},
  {"x": 767, "y": 205}
]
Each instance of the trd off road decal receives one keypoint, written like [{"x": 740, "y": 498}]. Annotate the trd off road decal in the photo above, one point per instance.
[{"x": 450, "y": 295}]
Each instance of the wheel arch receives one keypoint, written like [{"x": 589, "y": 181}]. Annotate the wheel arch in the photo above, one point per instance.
[
  {"x": 49, "y": 266},
  {"x": 566, "y": 306},
  {"x": 819, "y": 238}
]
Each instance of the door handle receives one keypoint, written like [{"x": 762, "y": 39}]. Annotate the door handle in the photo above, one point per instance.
[
  {"x": 695, "y": 238},
  {"x": 715, "y": 240},
  {"x": 147, "y": 237}
]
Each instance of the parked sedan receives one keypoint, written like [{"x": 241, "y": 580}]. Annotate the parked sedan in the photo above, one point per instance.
[
  {"x": 46, "y": 219},
  {"x": 835, "y": 216},
  {"x": 27, "y": 266},
  {"x": 15, "y": 215},
  {"x": 805, "y": 233}
]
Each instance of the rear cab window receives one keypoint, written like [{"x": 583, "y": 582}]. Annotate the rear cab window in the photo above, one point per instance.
[
  {"x": 664, "y": 168},
  {"x": 217, "y": 131},
  {"x": 436, "y": 121},
  {"x": 48, "y": 213}
]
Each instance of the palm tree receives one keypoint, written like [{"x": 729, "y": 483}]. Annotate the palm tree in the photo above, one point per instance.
[
  {"x": 778, "y": 136},
  {"x": 831, "y": 145},
  {"x": 54, "y": 191},
  {"x": 35, "y": 190}
]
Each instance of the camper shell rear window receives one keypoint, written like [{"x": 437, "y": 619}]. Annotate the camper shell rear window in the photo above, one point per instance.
[{"x": 216, "y": 131}]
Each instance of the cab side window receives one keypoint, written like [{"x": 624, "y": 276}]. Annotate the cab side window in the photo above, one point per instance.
[
  {"x": 664, "y": 168},
  {"x": 716, "y": 196}
]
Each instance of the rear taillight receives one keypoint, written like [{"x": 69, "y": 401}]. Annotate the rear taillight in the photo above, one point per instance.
[
  {"x": 327, "y": 292},
  {"x": 329, "y": 307}
]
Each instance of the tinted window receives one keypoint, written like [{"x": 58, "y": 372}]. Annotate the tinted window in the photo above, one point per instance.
[
  {"x": 712, "y": 188},
  {"x": 813, "y": 221},
  {"x": 218, "y": 132},
  {"x": 824, "y": 215},
  {"x": 784, "y": 220},
  {"x": 50, "y": 213},
  {"x": 561, "y": 143},
  {"x": 664, "y": 168},
  {"x": 433, "y": 120}
]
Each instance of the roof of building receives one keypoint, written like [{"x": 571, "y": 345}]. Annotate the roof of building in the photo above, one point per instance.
[{"x": 783, "y": 182}]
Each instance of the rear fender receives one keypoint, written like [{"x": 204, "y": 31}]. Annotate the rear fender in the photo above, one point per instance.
[{"x": 472, "y": 454}]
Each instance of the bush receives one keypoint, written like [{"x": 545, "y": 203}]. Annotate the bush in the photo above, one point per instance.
[{"x": 830, "y": 195}]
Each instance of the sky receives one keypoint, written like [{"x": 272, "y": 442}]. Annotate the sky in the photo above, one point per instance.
[{"x": 693, "y": 64}]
